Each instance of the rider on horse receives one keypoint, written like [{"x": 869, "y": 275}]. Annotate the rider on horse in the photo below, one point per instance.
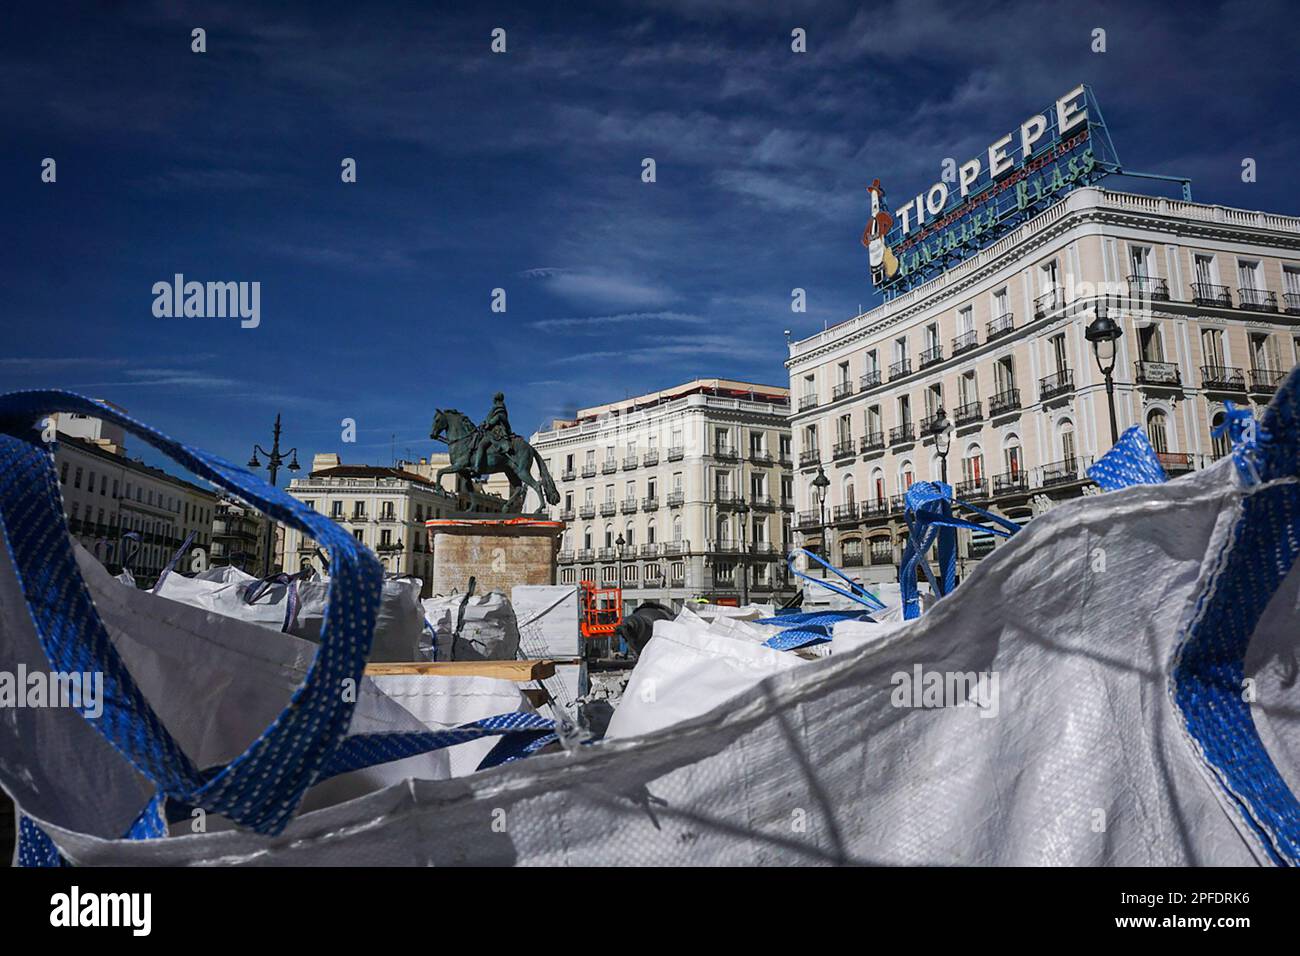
[{"x": 494, "y": 432}]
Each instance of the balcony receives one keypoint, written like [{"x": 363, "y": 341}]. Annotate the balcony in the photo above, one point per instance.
[
  {"x": 1256, "y": 300},
  {"x": 586, "y": 554},
  {"x": 807, "y": 401},
  {"x": 725, "y": 499},
  {"x": 567, "y": 514},
  {"x": 608, "y": 509},
  {"x": 724, "y": 547},
  {"x": 677, "y": 453},
  {"x": 760, "y": 458},
  {"x": 807, "y": 520},
  {"x": 1056, "y": 384},
  {"x": 609, "y": 466},
  {"x": 628, "y": 507},
  {"x": 1291, "y": 302},
  {"x": 974, "y": 488},
  {"x": 1174, "y": 462},
  {"x": 1048, "y": 302},
  {"x": 629, "y": 462},
  {"x": 762, "y": 503},
  {"x": 869, "y": 380},
  {"x": 587, "y": 511},
  {"x": 809, "y": 458},
  {"x": 842, "y": 449},
  {"x": 965, "y": 342},
  {"x": 1060, "y": 472},
  {"x": 900, "y": 370},
  {"x": 842, "y": 390},
  {"x": 1265, "y": 381},
  {"x": 589, "y": 470},
  {"x": 650, "y": 504},
  {"x": 874, "y": 441},
  {"x": 965, "y": 414},
  {"x": 873, "y": 509},
  {"x": 725, "y": 453},
  {"x": 1010, "y": 483},
  {"x": 932, "y": 356},
  {"x": 1004, "y": 324},
  {"x": 1204, "y": 293},
  {"x": 882, "y": 553},
  {"x": 897, "y": 504},
  {"x": 650, "y": 458},
  {"x": 648, "y": 551},
  {"x": 1003, "y": 402},
  {"x": 675, "y": 549},
  {"x": 358, "y": 517},
  {"x": 1150, "y": 288},
  {"x": 676, "y": 499},
  {"x": 1157, "y": 373},
  {"x": 607, "y": 554},
  {"x": 1223, "y": 378},
  {"x": 845, "y": 514},
  {"x": 851, "y": 559},
  {"x": 902, "y": 433},
  {"x": 568, "y": 475}
]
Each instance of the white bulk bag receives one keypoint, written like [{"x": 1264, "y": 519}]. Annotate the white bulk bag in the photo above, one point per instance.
[
  {"x": 225, "y": 591},
  {"x": 686, "y": 670},
  {"x": 488, "y": 631}
]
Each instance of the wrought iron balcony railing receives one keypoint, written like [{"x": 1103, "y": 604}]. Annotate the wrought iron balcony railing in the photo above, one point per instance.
[
  {"x": 761, "y": 458},
  {"x": 648, "y": 550},
  {"x": 807, "y": 401},
  {"x": 630, "y": 462},
  {"x": 568, "y": 475},
  {"x": 587, "y": 511},
  {"x": 869, "y": 380},
  {"x": 1205, "y": 293},
  {"x": 965, "y": 342},
  {"x": 842, "y": 449},
  {"x": 1058, "y": 383},
  {"x": 1004, "y": 401},
  {"x": 932, "y": 356},
  {"x": 902, "y": 433},
  {"x": 1223, "y": 377},
  {"x": 973, "y": 488},
  {"x": 589, "y": 471},
  {"x": 809, "y": 457},
  {"x": 725, "y": 453},
  {"x": 851, "y": 559},
  {"x": 565, "y": 557},
  {"x": 1010, "y": 483},
  {"x": 628, "y": 506},
  {"x": 844, "y": 513},
  {"x": 1048, "y": 302},
  {"x": 1157, "y": 373},
  {"x": 586, "y": 554},
  {"x": 871, "y": 442},
  {"x": 676, "y": 499},
  {"x": 1291, "y": 300},
  {"x": 842, "y": 390},
  {"x": 1060, "y": 472},
  {"x": 900, "y": 369},
  {"x": 882, "y": 554},
  {"x": 1257, "y": 300},
  {"x": 1004, "y": 324},
  {"x": 650, "y": 504},
  {"x": 567, "y": 514},
  {"x": 805, "y": 520},
  {"x": 608, "y": 508},
  {"x": 970, "y": 412},
  {"x": 1263, "y": 380},
  {"x": 609, "y": 466},
  {"x": 1152, "y": 288},
  {"x": 650, "y": 458},
  {"x": 677, "y": 453}
]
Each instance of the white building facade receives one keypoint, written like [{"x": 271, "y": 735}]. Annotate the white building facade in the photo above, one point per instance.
[
  {"x": 1208, "y": 301},
  {"x": 115, "y": 505},
  {"x": 679, "y": 495}
]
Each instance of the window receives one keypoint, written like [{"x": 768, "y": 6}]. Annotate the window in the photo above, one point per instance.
[
  {"x": 872, "y": 423},
  {"x": 1048, "y": 276},
  {"x": 904, "y": 410},
  {"x": 1012, "y": 458},
  {"x": 1204, "y": 269},
  {"x": 1158, "y": 430},
  {"x": 967, "y": 392},
  {"x": 63, "y": 474},
  {"x": 933, "y": 399},
  {"x": 385, "y": 538},
  {"x": 1067, "y": 441},
  {"x": 1139, "y": 261},
  {"x": 847, "y": 495},
  {"x": 1004, "y": 374},
  {"x": 1264, "y": 355},
  {"x": 1212, "y": 347},
  {"x": 1221, "y": 443},
  {"x": 1149, "y": 342},
  {"x": 359, "y": 535},
  {"x": 1001, "y": 303},
  {"x": 1058, "y": 353},
  {"x": 1250, "y": 275},
  {"x": 878, "y": 485},
  {"x": 972, "y": 465},
  {"x": 844, "y": 429},
  {"x": 844, "y": 373},
  {"x": 932, "y": 336},
  {"x": 650, "y": 533},
  {"x": 906, "y": 476},
  {"x": 965, "y": 320}
]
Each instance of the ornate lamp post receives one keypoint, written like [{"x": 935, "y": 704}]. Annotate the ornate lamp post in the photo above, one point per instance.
[
  {"x": 820, "y": 484},
  {"x": 1103, "y": 333},
  {"x": 742, "y": 509},
  {"x": 274, "y": 459},
  {"x": 941, "y": 429}
]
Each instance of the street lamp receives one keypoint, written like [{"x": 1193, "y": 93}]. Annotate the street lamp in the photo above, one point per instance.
[
  {"x": 820, "y": 484},
  {"x": 941, "y": 429},
  {"x": 742, "y": 509},
  {"x": 1103, "y": 333},
  {"x": 274, "y": 459}
]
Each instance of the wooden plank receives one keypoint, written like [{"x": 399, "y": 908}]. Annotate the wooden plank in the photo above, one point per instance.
[
  {"x": 506, "y": 670},
  {"x": 537, "y": 696}
]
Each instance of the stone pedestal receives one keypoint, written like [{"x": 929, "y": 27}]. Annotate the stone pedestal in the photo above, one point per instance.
[{"x": 499, "y": 552}]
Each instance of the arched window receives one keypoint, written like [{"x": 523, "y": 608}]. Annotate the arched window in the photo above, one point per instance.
[
  {"x": 609, "y": 536},
  {"x": 724, "y": 529},
  {"x": 1158, "y": 430},
  {"x": 906, "y": 476},
  {"x": 1012, "y": 456},
  {"x": 586, "y": 538},
  {"x": 1066, "y": 431},
  {"x": 877, "y": 485},
  {"x": 629, "y": 535},
  {"x": 650, "y": 533},
  {"x": 972, "y": 467},
  {"x": 847, "y": 491},
  {"x": 677, "y": 530},
  {"x": 1221, "y": 442}
]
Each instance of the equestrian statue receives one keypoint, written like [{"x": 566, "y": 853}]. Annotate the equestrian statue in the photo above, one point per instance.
[{"x": 477, "y": 451}]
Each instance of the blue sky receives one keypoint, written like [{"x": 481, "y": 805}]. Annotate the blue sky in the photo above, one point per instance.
[{"x": 523, "y": 171}]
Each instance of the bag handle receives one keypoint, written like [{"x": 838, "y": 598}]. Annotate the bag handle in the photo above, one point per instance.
[{"x": 261, "y": 788}]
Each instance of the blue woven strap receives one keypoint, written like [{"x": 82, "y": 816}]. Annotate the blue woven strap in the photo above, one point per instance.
[
  {"x": 175, "y": 560},
  {"x": 803, "y": 629},
  {"x": 1131, "y": 461},
  {"x": 261, "y": 788},
  {"x": 852, "y": 590},
  {"x": 1240, "y": 427}
]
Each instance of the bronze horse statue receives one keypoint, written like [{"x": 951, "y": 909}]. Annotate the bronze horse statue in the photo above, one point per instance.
[{"x": 512, "y": 457}]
